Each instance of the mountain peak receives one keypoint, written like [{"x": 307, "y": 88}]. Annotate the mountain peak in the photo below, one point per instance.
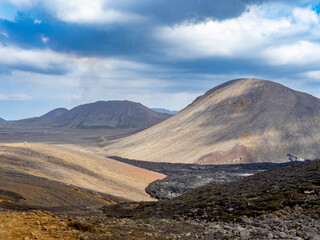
[
  {"x": 111, "y": 114},
  {"x": 238, "y": 87},
  {"x": 240, "y": 121}
]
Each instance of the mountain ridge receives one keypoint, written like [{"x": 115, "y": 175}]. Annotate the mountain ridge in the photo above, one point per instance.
[{"x": 101, "y": 114}]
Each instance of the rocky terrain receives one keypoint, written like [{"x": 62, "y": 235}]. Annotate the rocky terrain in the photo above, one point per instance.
[
  {"x": 281, "y": 203},
  {"x": 181, "y": 178},
  {"x": 286, "y": 224},
  {"x": 295, "y": 186},
  {"x": 35, "y": 225},
  {"x": 240, "y": 121}
]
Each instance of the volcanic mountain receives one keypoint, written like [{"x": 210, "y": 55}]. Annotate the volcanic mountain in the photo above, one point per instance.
[
  {"x": 101, "y": 114},
  {"x": 110, "y": 114},
  {"x": 240, "y": 121},
  {"x": 48, "y": 118},
  {"x": 52, "y": 115}
]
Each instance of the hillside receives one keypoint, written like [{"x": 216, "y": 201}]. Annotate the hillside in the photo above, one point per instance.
[
  {"x": 46, "y": 119},
  {"x": 1, "y": 120},
  {"x": 23, "y": 166},
  {"x": 110, "y": 114},
  {"x": 296, "y": 186},
  {"x": 52, "y": 115},
  {"x": 240, "y": 121}
]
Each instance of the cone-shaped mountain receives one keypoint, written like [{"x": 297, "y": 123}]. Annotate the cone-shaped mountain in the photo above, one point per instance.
[
  {"x": 110, "y": 114},
  {"x": 240, "y": 121}
]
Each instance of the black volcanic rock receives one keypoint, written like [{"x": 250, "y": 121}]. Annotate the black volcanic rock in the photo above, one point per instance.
[
  {"x": 110, "y": 114},
  {"x": 296, "y": 186}
]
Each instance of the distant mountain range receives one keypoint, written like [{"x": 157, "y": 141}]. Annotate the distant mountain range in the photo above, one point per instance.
[
  {"x": 101, "y": 114},
  {"x": 240, "y": 121},
  {"x": 163, "y": 110},
  {"x": 2, "y": 120}
]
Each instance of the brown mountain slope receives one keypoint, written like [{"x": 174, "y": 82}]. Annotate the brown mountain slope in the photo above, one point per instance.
[
  {"x": 241, "y": 121},
  {"x": 76, "y": 168}
]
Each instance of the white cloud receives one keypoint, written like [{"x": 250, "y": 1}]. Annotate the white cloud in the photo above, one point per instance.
[
  {"x": 37, "y": 21},
  {"x": 43, "y": 59},
  {"x": 3, "y": 97},
  {"x": 315, "y": 75},
  {"x": 5, "y": 34},
  {"x": 20, "y": 97},
  {"x": 301, "y": 53},
  {"x": 246, "y": 36},
  {"x": 232, "y": 37},
  {"x": 89, "y": 11},
  {"x": 81, "y": 11},
  {"x": 45, "y": 39},
  {"x": 15, "y": 97},
  {"x": 305, "y": 15}
]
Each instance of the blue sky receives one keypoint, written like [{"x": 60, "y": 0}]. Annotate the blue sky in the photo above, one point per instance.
[{"x": 162, "y": 53}]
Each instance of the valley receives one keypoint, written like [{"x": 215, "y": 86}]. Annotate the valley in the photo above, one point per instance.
[{"x": 92, "y": 173}]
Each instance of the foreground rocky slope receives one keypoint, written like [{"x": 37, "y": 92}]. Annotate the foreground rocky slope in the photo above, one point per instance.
[
  {"x": 35, "y": 225},
  {"x": 181, "y": 178},
  {"x": 282, "y": 203},
  {"x": 277, "y": 204},
  {"x": 240, "y": 121},
  {"x": 295, "y": 186}
]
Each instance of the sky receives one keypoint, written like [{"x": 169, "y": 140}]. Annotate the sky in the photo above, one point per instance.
[{"x": 161, "y": 53}]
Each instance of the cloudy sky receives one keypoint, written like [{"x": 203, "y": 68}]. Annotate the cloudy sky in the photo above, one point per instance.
[{"x": 162, "y": 53}]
